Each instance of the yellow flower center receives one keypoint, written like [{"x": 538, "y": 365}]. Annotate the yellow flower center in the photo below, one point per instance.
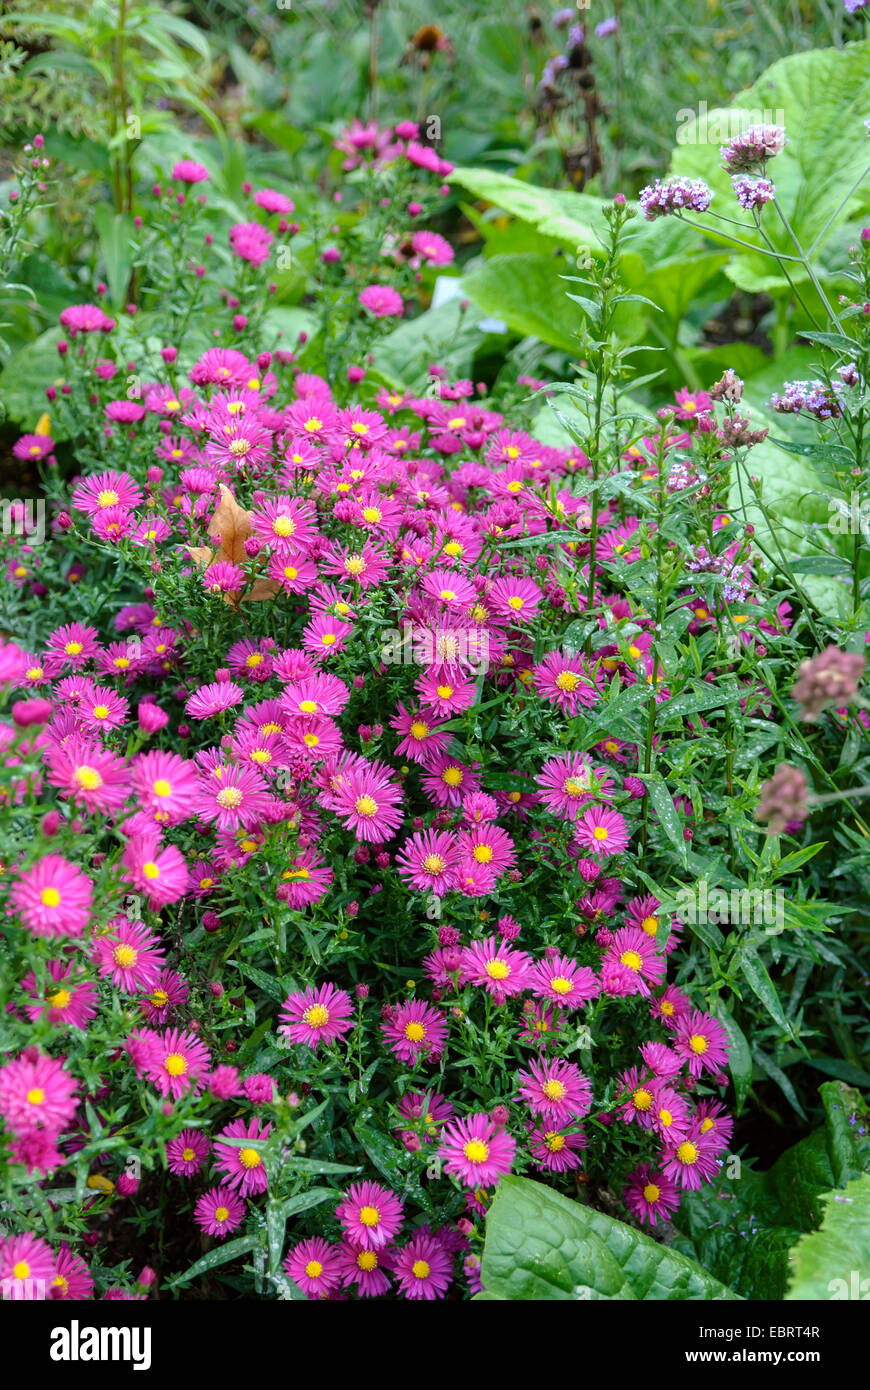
[
  {"x": 175, "y": 1064},
  {"x": 560, "y": 984},
  {"x": 554, "y": 1142},
  {"x": 107, "y": 498},
  {"x": 101, "y": 711},
  {"x": 420, "y": 1269},
  {"x": 367, "y": 1260},
  {"x": 50, "y": 897},
  {"x": 553, "y": 1090},
  {"x": 482, "y": 853},
  {"x": 314, "y": 1269},
  {"x": 188, "y": 1155},
  {"x": 632, "y": 960},
  {"x": 21, "y": 1270},
  {"x": 150, "y": 869},
  {"x": 415, "y": 1032},
  {"x": 650, "y": 925},
  {"x": 316, "y": 1016},
  {"x": 599, "y": 833},
  {"x": 249, "y": 1158},
  {"x": 369, "y": 1216},
  {"x": 418, "y": 729},
  {"x": 642, "y": 1100},
  {"x": 688, "y": 1152},
  {"x": 651, "y": 1193},
  {"x": 35, "y": 1096},
  {"x": 452, "y": 776},
  {"x": 284, "y": 526},
  {"x": 444, "y": 691},
  {"x": 515, "y": 602},
  {"x": 698, "y": 1043},
  {"x": 434, "y": 864},
  {"x": 221, "y": 1214},
  {"x": 88, "y": 778},
  {"x": 365, "y": 806},
  {"x": 371, "y": 514},
  {"x": 497, "y": 969},
  {"x": 476, "y": 1151},
  {"x": 125, "y": 956},
  {"x": 566, "y": 680},
  {"x": 229, "y": 797},
  {"x": 60, "y": 999}
]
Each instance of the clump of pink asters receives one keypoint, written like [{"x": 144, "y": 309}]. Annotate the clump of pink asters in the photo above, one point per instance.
[
  {"x": 370, "y": 1214},
  {"x": 319, "y": 1013},
  {"x": 476, "y": 1151}
]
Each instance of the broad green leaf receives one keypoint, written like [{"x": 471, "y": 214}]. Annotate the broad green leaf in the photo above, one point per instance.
[
  {"x": 833, "y": 1263},
  {"x": 739, "y": 1055},
  {"x": 542, "y": 1246},
  {"x": 528, "y": 293},
  {"x": 221, "y": 1255}
]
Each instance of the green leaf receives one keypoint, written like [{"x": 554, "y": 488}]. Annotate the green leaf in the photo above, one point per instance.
[
  {"x": 739, "y": 1055},
  {"x": 542, "y": 1246},
  {"x": 526, "y": 291},
  {"x": 115, "y": 231},
  {"x": 664, "y": 808},
  {"x": 221, "y": 1255},
  {"x": 756, "y": 976},
  {"x": 833, "y": 1262}
]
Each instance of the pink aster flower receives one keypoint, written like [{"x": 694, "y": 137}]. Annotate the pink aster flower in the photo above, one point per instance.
[
  {"x": 381, "y": 301},
  {"x": 496, "y": 966},
  {"x": 166, "y": 785},
  {"x": 603, "y": 831},
  {"x": 315, "y": 1266},
  {"x": 85, "y": 318},
  {"x": 690, "y": 1160},
  {"x": 423, "y": 1269},
  {"x": 176, "y": 1062},
  {"x": 238, "y": 798},
  {"x": 250, "y": 242},
  {"x": 425, "y": 1111},
  {"x": 670, "y": 1005},
  {"x": 702, "y": 1042},
  {"x": 319, "y": 1012},
  {"x": 285, "y": 523},
  {"x": 562, "y": 981},
  {"x": 53, "y": 897},
  {"x": 714, "y": 1125},
  {"x": 363, "y": 1268},
  {"x": 556, "y": 1090},
  {"x": 243, "y": 1165},
  {"x": 36, "y": 1092},
  {"x": 27, "y": 1267},
  {"x": 426, "y": 861},
  {"x": 555, "y": 1152},
  {"x": 650, "y": 1196},
  {"x": 432, "y": 248},
  {"x": 130, "y": 955},
  {"x": 565, "y": 681},
  {"x": 370, "y": 1214},
  {"x": 68, "y": 1000},
  {"x": 517, "y": 598},
  {"x": 219, "y": 1211},
  {"x": 72, "y": 1279},
  {"x": 161, "y": 873},
  {"x": 187, "y": 1152},
  {"x": 415, "y": 1030},
  {"x": 213, "y": 699},
  {"x": 325, "y": 635},
  {"x": 102, "y": 490},
  {"x": 567, "y": 783},
  {"x": 306, "y": 879},
  {"x": 189, "y": 171},
  {"x": 369, "y": 802},
  {"x": 670, "y": 1113},
  {"x": 633, "y": 949},
  {"x": 476, "y": 1151},
  {"x": 88, "y": 774}
]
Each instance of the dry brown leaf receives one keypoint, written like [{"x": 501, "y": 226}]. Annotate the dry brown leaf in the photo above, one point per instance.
[
  {"x": 262, "y": 589},
  {"x": 233, "y": 524}
]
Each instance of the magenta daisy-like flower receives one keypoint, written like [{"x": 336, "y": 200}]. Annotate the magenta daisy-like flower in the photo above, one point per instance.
[
  {"x": 554, "y": 1151},
  {"x": 496, "y": 966},
  {"x": 88, "y": 774},
  {"x": 670, "y": 1113},
  {"x": 213, "y": 699},
  {"x": 415, "y": 1030},
  {"x": 321, "y": 1012},
  {"x": 325, "y": 635},
  {"x": 566, "y": 784},
  {"x": 427, "y": 860},
  {"x": 690, "y": 1160},
  {"x": 363, "y": 1268},
  {"x": 702, "y": 1042},
  {"x": 476, "y": 1151},
  {"x": 187, "y": 1152},
  {"x": 423, "y": 1268},
  {"x": 634, "y": 950},
  {"x": 564, "y": 680},
  {"x": 650, "y": 1196},
  {"x": 105, "y": 710},
  {"x": 603, "y": 831},
  {"x": 176, "y": 1062},
  {"x": 189, "y": 171},
  {"x": 564, "y": 982},
  {"x": 239, "y": 797},
  {"x": 556, "y": 1090},
  {"x": 715, "y": 1126},
  {"x": 670, "y": 1005},
  {"x": 27, "y": 1267},
  {"x": 305, "y": 880},
  {"x": 637, "y": 1096},
  {"x": 369, "y": 802},
  {"x": 103, "y": 490},
  {"x": 285, "y": 523},
  {"x": 130, "y": 955},
  {"x": 53, "y": 897},
  {"x": 69, "y": 1000},
  {"x": 72, "y": 1279},
  {"x": 426, "y": 1109},
  {"x": 516, "y": 598},
  {"x": 370, "y": 1214},
  {"x": 315, "y": 1266},
  {"x": 37, "y": 1093},
  {"x": 166, "y": 785},
  {"x": 161, "y": 873},
  {"x": 219, "y": 1211},
  {"x": 243, "y": 1165},
  {"x": 432, "y": 247},
  {"x": 381, "y": 301}
]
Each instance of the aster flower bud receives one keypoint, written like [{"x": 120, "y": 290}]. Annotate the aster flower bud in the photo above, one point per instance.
[
  {"x": 783, "y": 799},
  {"x": 831, "y": 677}
]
